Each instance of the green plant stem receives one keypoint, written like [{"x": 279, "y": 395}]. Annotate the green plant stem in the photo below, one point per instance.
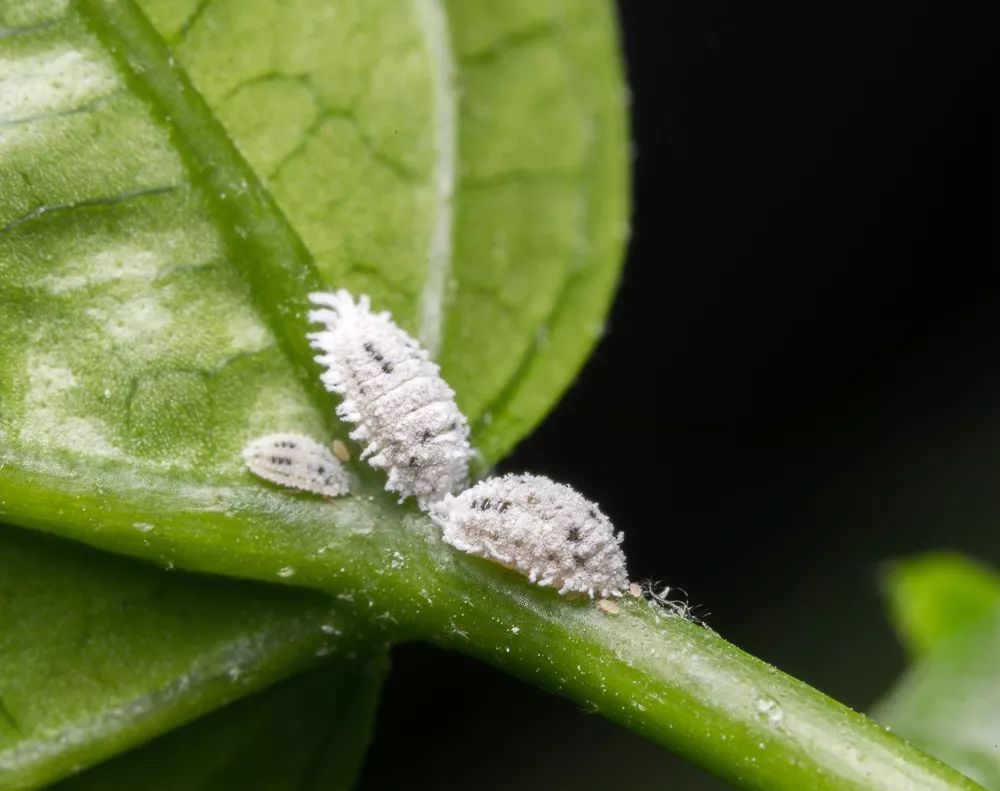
[{"x": 650, "y": 670}]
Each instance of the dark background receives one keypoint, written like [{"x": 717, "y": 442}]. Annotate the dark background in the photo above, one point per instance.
[{"x": 801, "y": 376}]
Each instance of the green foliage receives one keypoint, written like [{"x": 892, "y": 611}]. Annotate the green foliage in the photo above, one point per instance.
[
  {"x": 306, "y": 734},
  {"x": 99, "y": 653},
  {"x": 175, "y": 178},
  {"x": 948, "y": 703},
  {"x": 152, "y": 282},
  {"x": 937, "y": 596}
]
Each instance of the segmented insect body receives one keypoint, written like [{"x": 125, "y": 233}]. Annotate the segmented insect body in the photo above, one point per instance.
[
  {"x": 298, "y": 462},
  {"x": 543, "y": 529},
  {"x": 405, "y": 413}
]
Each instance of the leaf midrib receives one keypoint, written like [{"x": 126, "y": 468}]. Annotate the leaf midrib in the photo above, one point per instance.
[
  {"x": 434, "y": 25},
  {"x": 264, "y": 247}
]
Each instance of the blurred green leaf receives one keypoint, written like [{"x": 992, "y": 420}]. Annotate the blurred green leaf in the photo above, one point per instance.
[
  {"x": 948, "y": 703},
  {"x": 936, "y": 596},
  {"x": 98, "y": 653},
  {"x": 306, "y": 734},
  {"x": 947, "y": 608}
]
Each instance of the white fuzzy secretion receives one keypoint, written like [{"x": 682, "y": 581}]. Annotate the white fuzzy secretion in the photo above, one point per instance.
[
  {"x": 543, "y": 529},
  {"x": 405, "y": 413},
  {"x": 298, "y": 462}
]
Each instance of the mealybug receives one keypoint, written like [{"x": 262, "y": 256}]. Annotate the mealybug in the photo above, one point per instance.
[
  {"x": 297, "y": 461},
  {"x": 405, "y": 413},
  {"x": 543, "y": 529}
]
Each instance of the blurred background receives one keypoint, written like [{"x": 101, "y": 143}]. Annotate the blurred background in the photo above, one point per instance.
[{"x": 800, "y": 379}]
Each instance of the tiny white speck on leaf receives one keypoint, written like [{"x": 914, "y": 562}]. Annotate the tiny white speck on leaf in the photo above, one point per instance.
[
  {"x": 297, "y": 462},
  {"x": 545, "y": 530},
  {"x": 404, "y": 412}
]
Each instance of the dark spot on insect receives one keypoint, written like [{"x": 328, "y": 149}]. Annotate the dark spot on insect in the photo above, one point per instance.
[
  {"x": 426, "y": 435},
  {"x": 518, "y": 543},
  {"x": 573, "y": 534},
  {"x": 552, "y": 556},
  {"x": 386, "y": 367},
  {"x": 321, "y": 470},
  {"x": 485, "y": 504},
  {"x": 413, "y": 461},
  {"x": 580, "y": 560},
  {"x": 532, "y": 499},
  {"x": 592, "y": 513},
  {"x": 504, "y": 506},
  {"x": 475, "y": 503}
]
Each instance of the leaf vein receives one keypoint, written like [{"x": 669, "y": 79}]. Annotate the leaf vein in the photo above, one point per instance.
[
  {"x": 434, "y": 22},
  {"x": 90, "y": 106},
  {"x": 50, "y": 208}
]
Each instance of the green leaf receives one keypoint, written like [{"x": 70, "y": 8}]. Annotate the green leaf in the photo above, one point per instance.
[
  {"x": 155, "y": 283},
  {"x": 99, "y": 653},
  {"x": 152, "y": 290},
  {"x": 936, "y": 596},
  {"x": 948, "y": 703},
  {"x": 464, "y": 162},
  {"x": 307, "y": 733}
]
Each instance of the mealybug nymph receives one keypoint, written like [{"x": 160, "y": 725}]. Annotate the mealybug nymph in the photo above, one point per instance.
[
  {"x": 298, "y": 462},
  {"x": 543, "y": 529},
  {"x": 405, "y": 413}
]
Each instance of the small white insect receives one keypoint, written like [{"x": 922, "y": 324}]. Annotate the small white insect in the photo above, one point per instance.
[
  {"x": 543, "y": 529},
  {"x": 298, "y": 462},
  {"x": 405, "y": 413}
]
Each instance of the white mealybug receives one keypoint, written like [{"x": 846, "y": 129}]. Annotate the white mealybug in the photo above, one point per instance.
[
  {"x": 543, "y": 529},
  {"x": 298, "y": 462},
  {"x": 405, "y": 413}
]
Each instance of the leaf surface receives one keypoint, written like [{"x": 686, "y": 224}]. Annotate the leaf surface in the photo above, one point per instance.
[
  {"x": 98, "y": 653},
  {"x": 306, "y": 734},
  {"x": 935, "y": 596},
  {"x": 948, "y": 702},
  {"x": 464, "y": 164}
]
